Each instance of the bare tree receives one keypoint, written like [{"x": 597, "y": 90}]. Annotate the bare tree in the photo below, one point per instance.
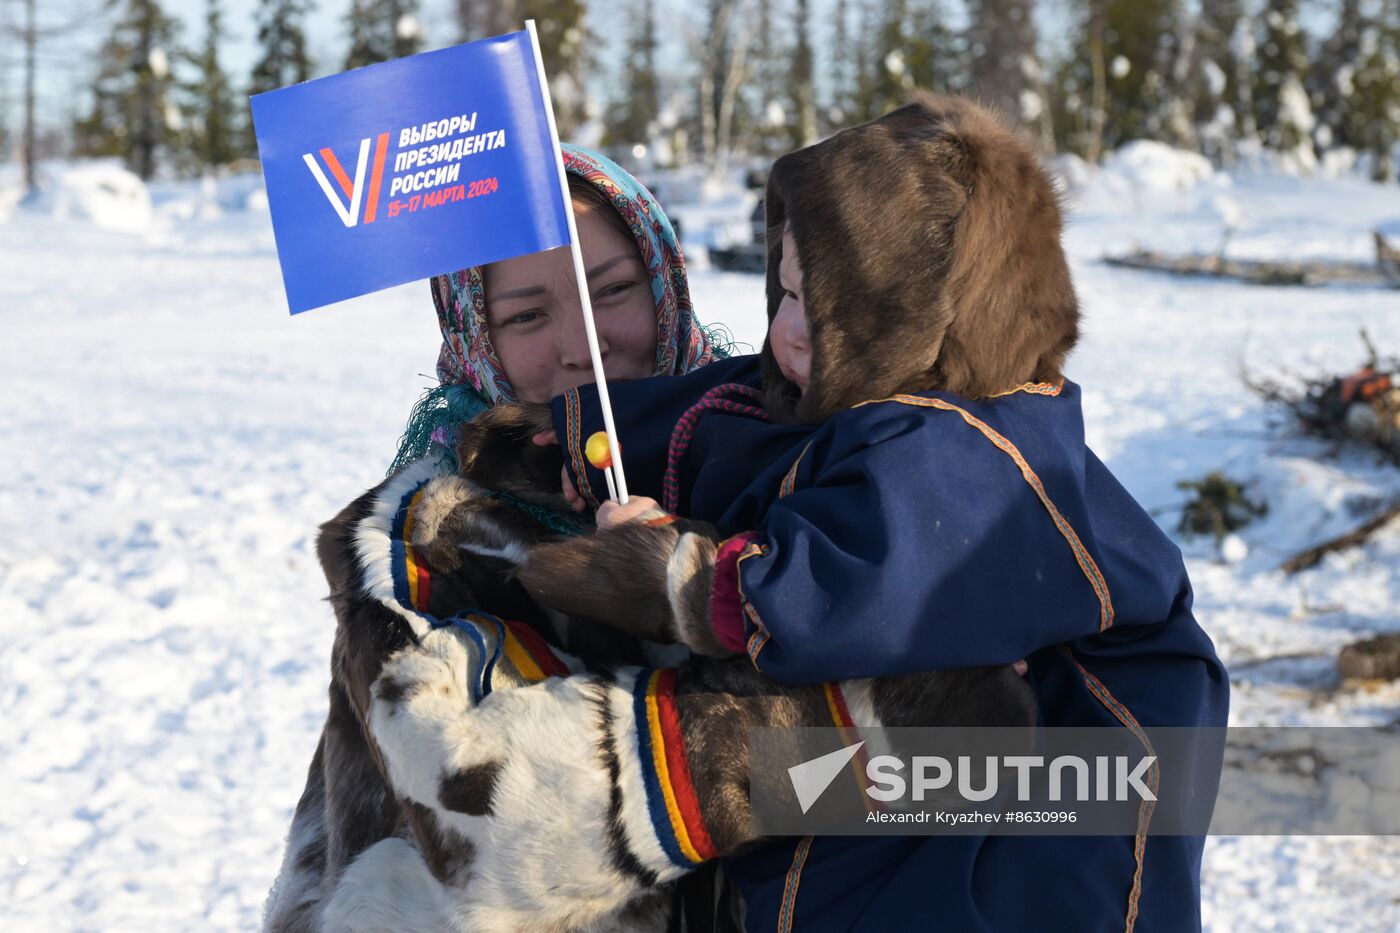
[
  {"x": 723, "y": 69},
  {"x": 29, "y": 33},
  {"x": 804, "y": 127}
]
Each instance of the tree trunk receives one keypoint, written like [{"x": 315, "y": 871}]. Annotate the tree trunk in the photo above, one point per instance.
[
  {"x": 146, "y": 98},
  {"x": 31, "y": 42},
  {"x": 1093, "y": 151}
]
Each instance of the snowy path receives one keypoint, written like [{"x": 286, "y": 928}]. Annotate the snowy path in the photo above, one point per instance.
[{"x": 172, "y": 439}]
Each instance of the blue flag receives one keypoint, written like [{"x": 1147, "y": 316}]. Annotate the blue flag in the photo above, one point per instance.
[{"x": 408, "y": 169}]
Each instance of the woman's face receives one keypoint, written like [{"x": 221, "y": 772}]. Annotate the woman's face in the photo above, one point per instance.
[
  {"x": 535, "y": 314},
  {"x": 787, "y": 335}
]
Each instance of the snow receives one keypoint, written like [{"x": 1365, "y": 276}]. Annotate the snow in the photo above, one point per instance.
[
  {"x": 103, "y": 194},
  {"x": 173, "y": 438}
]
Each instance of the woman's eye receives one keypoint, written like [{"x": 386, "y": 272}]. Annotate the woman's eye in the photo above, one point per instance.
[
  {"x": 616, "y": 288},
  {"x": 789, "y": 293},
  {"x": 524, "y": 317}
]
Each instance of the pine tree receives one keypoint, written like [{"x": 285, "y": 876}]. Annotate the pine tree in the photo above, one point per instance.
[
  {"x": 133, "y": 113},
  {"x": 868, "y": 63},
  {"x": 217, "y": 132},
  {"x": 1281, "y": 106},
  {"x": 1373, "y": 118},
  {"x": 382, "y": 30},
  {"x": 283, "y": 58},
  {"x": 565, "y": 44},
  {"x": 1176, "y": 109},
  {"x": 477, "y": 19},
  {"x": 1120, "y": 74},
  {"x": 6, "y": 139},
  {"x": 1332, "y": 83},
  {"x": 1003, "y": 63},
  {"x": 938, "y": 57},
  {"x": 841, "y": 63},
  {"x": 640, "y": 101},
  {"x": 1216, "y": 107},
  {"x": 803, "y": 123},
  {"x": 891, "y": 80},
  {"x": 565, "y": 47},
  {"x": 769, "y": 92}
]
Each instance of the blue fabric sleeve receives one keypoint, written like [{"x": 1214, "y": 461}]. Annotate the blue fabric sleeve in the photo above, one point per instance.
[{"x": 911, "y": 542}]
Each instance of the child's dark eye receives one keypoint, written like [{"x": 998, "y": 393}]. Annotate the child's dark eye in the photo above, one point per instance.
[{"x": 789, "y": 293}]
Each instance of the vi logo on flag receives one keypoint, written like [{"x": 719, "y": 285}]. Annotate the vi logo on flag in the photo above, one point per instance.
[
  {"x": 354, "y": 191},
  {"x": 357, "y": 141}
]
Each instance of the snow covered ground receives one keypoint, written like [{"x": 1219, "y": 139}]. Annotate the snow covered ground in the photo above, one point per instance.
[{"x": 171, "y": 439}]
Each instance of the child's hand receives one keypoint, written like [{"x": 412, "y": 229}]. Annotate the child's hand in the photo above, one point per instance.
[{"x": 610, "y": 514}]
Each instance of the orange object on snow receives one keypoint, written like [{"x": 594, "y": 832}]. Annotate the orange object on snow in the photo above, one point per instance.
[{"x": 1364, "y": 385}]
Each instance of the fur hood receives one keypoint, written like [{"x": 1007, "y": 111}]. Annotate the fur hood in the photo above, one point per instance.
[{"x": 929, "y": 241}]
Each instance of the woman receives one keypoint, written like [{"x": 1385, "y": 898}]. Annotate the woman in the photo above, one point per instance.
[{"x": 511, "y": 331}]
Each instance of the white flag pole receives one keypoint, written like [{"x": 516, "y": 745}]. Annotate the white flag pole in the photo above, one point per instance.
[{"x": 580, "y": 273}]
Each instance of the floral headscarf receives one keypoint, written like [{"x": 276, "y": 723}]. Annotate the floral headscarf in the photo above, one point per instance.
[{"x": 469, "y": 373}]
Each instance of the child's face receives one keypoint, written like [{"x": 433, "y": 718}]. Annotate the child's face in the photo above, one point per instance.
[{"x": 787, "y": 335}]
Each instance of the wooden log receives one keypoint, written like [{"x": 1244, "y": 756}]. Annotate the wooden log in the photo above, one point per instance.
[
  {"x": 1358, "y": 535},
  {"x": 1374, "y": 658},
  {"x": 1254, "y": 271}
]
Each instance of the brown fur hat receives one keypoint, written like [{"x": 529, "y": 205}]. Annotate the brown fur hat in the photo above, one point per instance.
[{"x": 929, "y": 241}]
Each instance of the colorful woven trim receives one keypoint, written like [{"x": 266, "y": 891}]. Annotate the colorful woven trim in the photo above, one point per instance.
[
  {"x": 573, "y": 428},
  {"x": 788, "y": 907},
  {"x": 513, "y": 648},
  {"x": 1154, "y": 780},
  {"x": 789, "y": 482},
  {"x": 529, "y": 654},
  {"x": 759, "y": 636},
  {"x": 671, "y": 799},
  {"x": 850, "y": 734},
  {"x": 1035, "y": 388},
  {"x": 726, "y": 604},
  {"x": 517, "y": 648},
  {"x": 412, "y": 582}
]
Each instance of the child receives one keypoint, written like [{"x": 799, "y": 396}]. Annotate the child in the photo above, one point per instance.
[{"x": 923, "y": 500}]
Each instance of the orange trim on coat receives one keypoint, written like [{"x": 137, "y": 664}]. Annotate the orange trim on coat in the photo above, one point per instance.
[
  {"x": 794, "y": 878},
  {"x": 1081, "y": 553},
  {"x": 1123, "y": 715}
]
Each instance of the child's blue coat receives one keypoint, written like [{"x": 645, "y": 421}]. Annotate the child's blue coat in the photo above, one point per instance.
[{"x": 930, "y": 532}]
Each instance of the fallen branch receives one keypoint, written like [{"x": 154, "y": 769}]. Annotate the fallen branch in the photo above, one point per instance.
[
  {"x": 1254, "y": 271},
  {"x": 1361, "y": 406},
  {"x": 1359, "y": 535}
]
